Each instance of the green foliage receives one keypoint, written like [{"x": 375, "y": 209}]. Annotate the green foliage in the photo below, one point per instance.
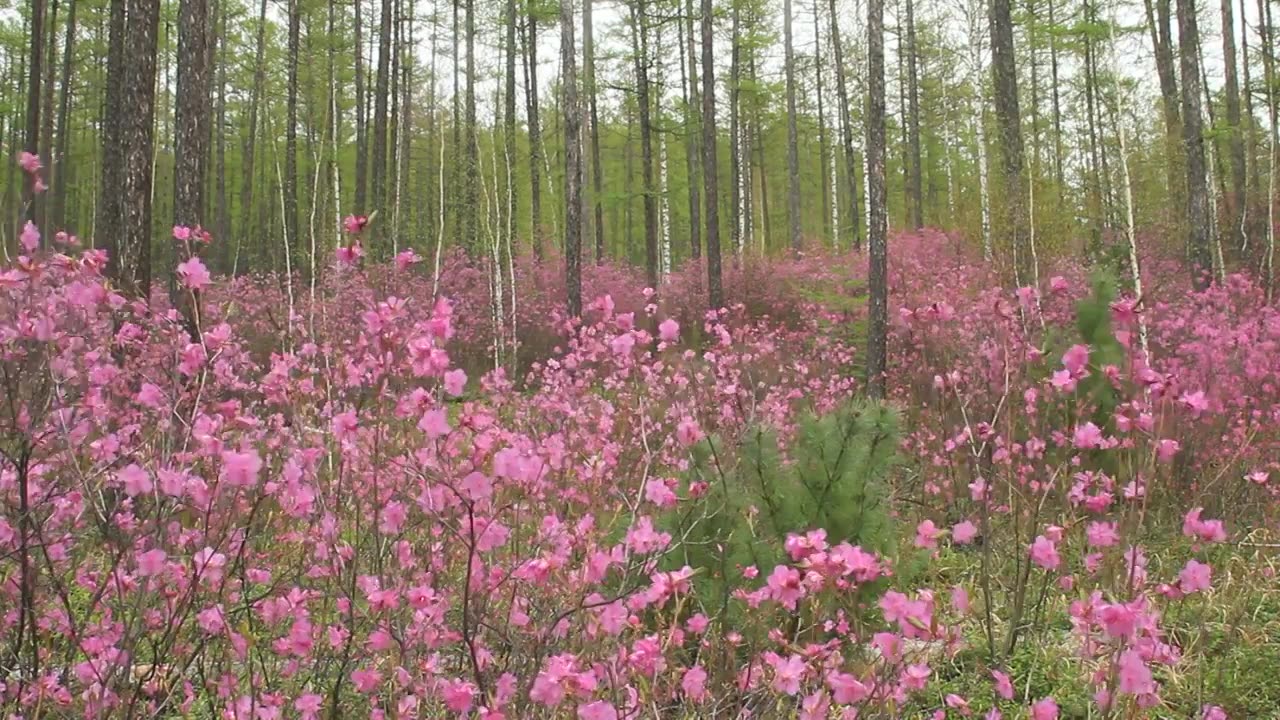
[{"x": 832, "y": 476}]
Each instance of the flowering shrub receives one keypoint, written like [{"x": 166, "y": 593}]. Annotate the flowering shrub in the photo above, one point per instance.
[{"x": 332, "y": 503}]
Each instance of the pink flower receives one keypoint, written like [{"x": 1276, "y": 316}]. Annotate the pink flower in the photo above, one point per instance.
[
  {"x": 693, "y": 684},
  {"x": 787, "y": 674},
  {"x": 349, "y": 254},
  {"x": 1045, "y": 709},
  {"x": 1207, "y": 530},
  {"x": 784, "y": 586},
  {"x": 1196, "y": 402},
  {"x": 30, "y": 237},
  {"x": 406, "y": 259},
  {"x": 30, "y": 163},
  {"x": 211, "y": 620},
  {"x": 1195, "y": 577},
  {"x": 687, "y": 431},
  {"x": 657, "y": 492},
  {"x": 151, "y": 562},
  {"x": 1135, "y": 676},
  {"x": 1075, "y": 359},
  {"x": 344, "y": 425},
  {"x": 1045, "y": 553},
  {"x": 622, "y": 344},
  {"x": 1004, "y": 687},
  {"x": 847, "y": 689},
  {"x": 135, "y": 480},
  {"x": 927, "y": 535},
  {"x": 669, "y": 331},
  {"x": 435, "y": 423},
  {"x": 1213, "y": 712},
  {"x": 1102, "y": 534},
  {"x": 181, "y": 232},
  {"x": 1166, "y": 449},
  {"x": 193, "y": 273},
  {"x": 455, "y": 381},
  {"x": 354, "y": 224},
  {"x": 1087, "y": 436},
  {"x": 240, "y": 469},
  {"x": 366, "y": 680},
  {"x": 476, "y": 487},
  {"x": 1058, "y": 284},
  {"x": 459, "y": 695},
  {"x": 598, "y": 710},
  {"x": 964, "y": 532},
  {"x": 309, "y": 705}
]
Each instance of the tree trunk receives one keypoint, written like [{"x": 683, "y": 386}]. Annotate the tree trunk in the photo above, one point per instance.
[
  {"x": 829, "y": 221},
  {"x": 735, "y": 131},
  {"x": 1250, "y": 133},
  {"x": 1269, "y": 78},
  {"x": 793, "y": 151},
  {"x": 246, "y": 189},
  {"x": 572, "y": 122},
  {"x": 877, "y": 242},
  {"x": 535, "y": 133},
  {"x": 915, "y": 187},
  {"x": 1158, "y": 24},
  {"x": 133, "y": 268},
  {"x": 362, "y": 122},
  {"x": 1009, "y": 119},
  {"x": 191, "y": 133},
  {"x": 60, "y": 168},
  {"x": 1235, "y": 137},
  {"x": 640, "y": 51},
  {"x": 589, "y": 81},
  {"x": 290, "y": 189},
  {"x": 693, "y": 156},
  {"x": 710, "y": 166},
  {"x": 47, "y": 116},
  {"x": 472, "y": 180},
  {"x": 31, "y": 198},
  {"x": 978, "y": 119},
  {"x": 846, "y": 130},
  {"x": 378, "y": 171},
  {"x": 1058, "y": 153},
  {"x": 108, "y": 225},
  {"x": 1193, "y": 139}
]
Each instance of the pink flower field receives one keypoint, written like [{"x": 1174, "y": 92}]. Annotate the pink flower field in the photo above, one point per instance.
[{"x": 346, "y": 499}]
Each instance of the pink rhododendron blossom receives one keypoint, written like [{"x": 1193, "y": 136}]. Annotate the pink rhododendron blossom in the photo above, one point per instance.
[{"x": 193, "y": 274}]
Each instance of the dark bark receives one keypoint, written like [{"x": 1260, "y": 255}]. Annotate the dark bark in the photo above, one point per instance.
[
  {"x": 793, "y": 151},
  {"x": 1058, "y": 153},
  {"x": 846, "y": 131},
  {"x": 378, "y": 169},
  {"x": 710, "y": 167},
  {"x": 472, "y": 180},
  {"x": 362, "y": 122},
  {"x": 191, "y": 134},
  {"x": 877, "y": 241},
  {"x": 640, "y": 49},
  {"x": 59, "y": 168},
  {"x": 31, "y": 144},
  {"x": 822, "y": 123},
  {"x": 693, "y": 143},
  {"x": 509, "y": 115},
  {"x": 572, "y": 163},
  {"x": 1235, "y": 132},
  {"x": 134, "y": 264},
  {"x": 1197, "y": 209},
  {"x": 915, "y": 184},
  {"x": 47, "y": 115},
  {"x": 1008, "y": 121},
  {"x": 291, "y": 131},
  {"x": 1158, "y": 17},
  {"x": 597, "y": 169},
  {"x": 250, "y": 142},
  {"x": 735, "y": 132},
  {"x": 109, "y": 223},
  {"x": 535, "y": 132}
]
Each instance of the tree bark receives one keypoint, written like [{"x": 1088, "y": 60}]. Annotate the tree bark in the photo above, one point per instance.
[
  {"x": 362, "y": 122},
  {"x": 572, "y": 122},
  {"x": 1009, "y": 119},
  {"x": 133, "y": 267},
  {"x": 1158, "y": 16},
  {"x": 710, "y": 166},
  {"x": 589, "y": 82},
  {"x": 846, "y": 131},
  {"x": 290, "y": 208},
  {"x": 109, "y": 221},
  {"x": 913, "y": 122},
  {"x": 877, "y": 242},
  {"x": 640, "y": 50},
  {"x": 793, "y": 151},
  {"x": 191, "y": 133},
  {"x": 535, "y": 132},
  {"x": 693, "y": 154},
  {"x": 31, "y": 199},
  {"x": 1197, "y": 212},
  {"x": 1235, "y": 137},
  {"x": 59, "y": 168}
]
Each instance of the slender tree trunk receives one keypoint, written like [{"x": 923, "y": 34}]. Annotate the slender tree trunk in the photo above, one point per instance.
[
  {"x": 31, "y": 199},
  {"x": 710, "y": 165},
  {"x": 1097, "y": 219},
  {"x": 1250, "y": 134},
  {"x": 47, "y": 114},
  {"x": 1158, "y": 16},
  {"x": 735, "y": 130},
  {"x": 472, "y": 179},
  {"x": 509, "y": 112},
  {"x": 589, "y": 82},
  {"x": 1269, "y": 78},
  {"x": 290, "y": 189},
  {"x": 191, "y": 136},
  {"x": 878, "y": 288},
  {"x": 1193, "y": 139},
  {"x": 60, "y": 169},
  {"x": 362, "y": 121},
  {"x": 1058, "y": 153},
  {"x": 246, "y": 189},
  {"x": 640, "y": 51},
  {"x": 108, "y": 225},
  {"x": 829, "y": 222},
  {"x": 793, "y": 151},
  {"x": 846, "y": 130},
  {"x": 133, "y": 268},
  {"x": 378, "y": 171},
  {"x": 913, "y": 122},
  {"x": 693, "y": 149},
  {"x": 1236, "y": 197},
  {"x": 1009, "y": 119},
  {"x": 535, "y": 132},
  {"x": 572, "y": 121}
]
